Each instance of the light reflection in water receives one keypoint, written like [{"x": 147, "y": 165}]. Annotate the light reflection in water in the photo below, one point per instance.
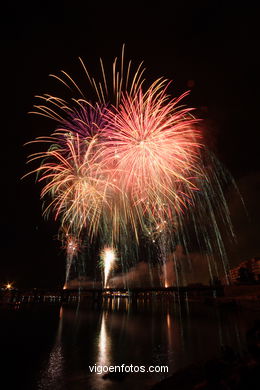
[
  {"x": 104, "y": 356},
  {"x": 169, "y": 330},
  {"x": 104, "y": 345},
  {"x": 53, "y": 373},
  {"x": 149, "y": 331}
]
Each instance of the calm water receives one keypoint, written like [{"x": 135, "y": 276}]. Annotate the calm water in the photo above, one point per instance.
[{"x": 50, "y": 347}]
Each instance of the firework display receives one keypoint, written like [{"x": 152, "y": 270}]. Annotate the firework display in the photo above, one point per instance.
[{"x": 129, "y": 165}]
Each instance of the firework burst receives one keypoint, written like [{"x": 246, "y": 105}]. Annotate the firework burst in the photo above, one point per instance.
[
  {"x": 77, "y": 183},
  {"x": 129, "y": 164},
  {"x": 153, "y": 146}
]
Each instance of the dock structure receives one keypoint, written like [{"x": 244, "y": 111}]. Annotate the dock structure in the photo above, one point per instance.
[{"x": 98, "y": 294}]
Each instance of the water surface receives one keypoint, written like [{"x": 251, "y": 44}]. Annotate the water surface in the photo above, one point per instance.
[{"x": 50, "y": 346}]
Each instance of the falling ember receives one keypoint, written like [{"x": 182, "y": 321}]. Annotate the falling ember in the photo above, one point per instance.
[{"x": 108, "y": 257}]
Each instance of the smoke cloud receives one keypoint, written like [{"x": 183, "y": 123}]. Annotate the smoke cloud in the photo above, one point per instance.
[{"x": 179, "y": 269}]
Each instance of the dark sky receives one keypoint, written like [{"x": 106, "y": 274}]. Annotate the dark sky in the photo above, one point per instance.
[{"x": 209, "y": 42}]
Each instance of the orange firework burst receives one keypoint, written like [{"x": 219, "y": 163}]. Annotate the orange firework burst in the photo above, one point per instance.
[{"x": 153, "y": 146}]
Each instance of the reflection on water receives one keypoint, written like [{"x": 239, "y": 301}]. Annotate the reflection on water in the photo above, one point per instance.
[
  {"x": 53, "y": 373},
  {"x": 149, "y": 332},
  {"x": 103, "y": 344},
  {"x": 103, "y": 353}
]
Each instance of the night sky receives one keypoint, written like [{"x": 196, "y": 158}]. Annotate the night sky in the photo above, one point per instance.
[{"x": 215, "y": 46}]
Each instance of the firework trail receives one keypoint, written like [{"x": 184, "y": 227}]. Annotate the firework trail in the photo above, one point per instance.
[
  {"x": 108, "y": 259},
  {"x": 72, "y": 246}
]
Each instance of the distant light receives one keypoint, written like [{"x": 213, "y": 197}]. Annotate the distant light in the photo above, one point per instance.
[
  {"x": 190, "y": 83},
  {"x": 8, "y": 286}
]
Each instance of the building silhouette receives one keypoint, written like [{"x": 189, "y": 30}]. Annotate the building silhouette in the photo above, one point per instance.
[{"x": 246, "y": 272}]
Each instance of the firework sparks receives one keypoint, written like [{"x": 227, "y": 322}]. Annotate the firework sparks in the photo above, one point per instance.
[
  {"x": 77, "y": 183},
  {"x": 72, "y": 245},
  {"x": 152, "y": 144},
  {"x": 155, "y": 150},
  {"x": 135, "y": 162},
  {"x": 129, "y": 164},
  {"x": 108, "y": 259}
]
